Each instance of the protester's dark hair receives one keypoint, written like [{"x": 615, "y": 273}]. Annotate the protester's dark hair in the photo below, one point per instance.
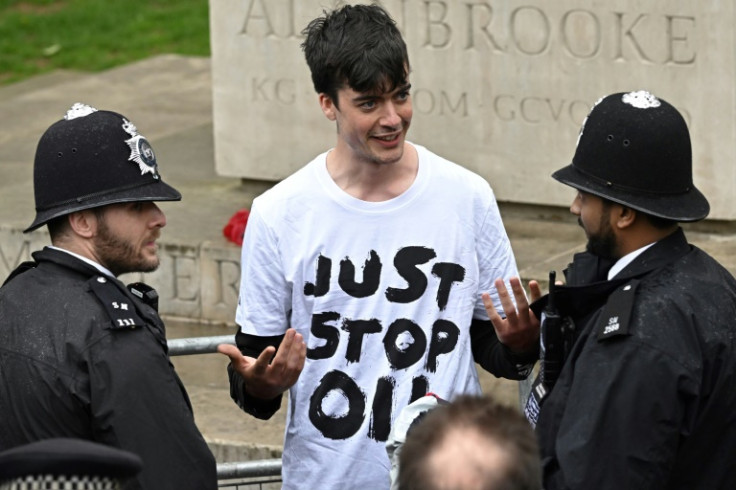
[
  {"x": 500, "y": 425},
  {"x": 357, "y": 45}
]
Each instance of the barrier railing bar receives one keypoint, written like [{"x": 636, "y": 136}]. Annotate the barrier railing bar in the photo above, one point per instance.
[
  {"x": 198, "y": 345},
  {"x": 249, "y": 469}
]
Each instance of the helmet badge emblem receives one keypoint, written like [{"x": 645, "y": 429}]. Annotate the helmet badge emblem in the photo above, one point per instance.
[
  {"x": 641, "y": 100},
  {"x": 79, "y": 110},
  {"x": 140, "y": 150}
]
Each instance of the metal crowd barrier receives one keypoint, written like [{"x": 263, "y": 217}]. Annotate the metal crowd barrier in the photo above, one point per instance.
[
  {"x": 198, "y": 345},
  {"x": 262, "y": 474},
  {"x": 265, "y": 473}
]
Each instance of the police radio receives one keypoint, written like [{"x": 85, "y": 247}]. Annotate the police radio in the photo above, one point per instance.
[
  {"x": 145, "y": 293},
  {"x": 552, "y": 352}
]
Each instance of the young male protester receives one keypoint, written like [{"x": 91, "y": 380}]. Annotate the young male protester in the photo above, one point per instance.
[
  {"x": 365, "y": 268},
  {"x": 82, "y": 356},
  {"x": 646, "y": 397}
]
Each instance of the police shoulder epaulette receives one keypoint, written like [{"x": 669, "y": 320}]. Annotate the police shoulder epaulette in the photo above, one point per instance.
[
  {"x": 116, "y": 303},
  {"x": 616, "y": 314}
]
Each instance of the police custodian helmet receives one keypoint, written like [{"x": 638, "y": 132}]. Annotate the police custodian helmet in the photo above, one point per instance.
[
  {"x": 93, "y": 158},
  {"x": 68, "y": 464},
  {"x": 634, "y": 149}
]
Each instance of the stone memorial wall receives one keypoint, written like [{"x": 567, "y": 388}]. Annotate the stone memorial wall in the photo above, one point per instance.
[{"x": 500, "y": 87}]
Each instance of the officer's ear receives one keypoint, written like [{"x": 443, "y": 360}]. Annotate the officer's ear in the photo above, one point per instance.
[
  {"x": 624, "y": 216},
  {"x": 84, "y": 223}
]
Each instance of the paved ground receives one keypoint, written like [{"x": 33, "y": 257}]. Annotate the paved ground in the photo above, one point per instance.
[{"x": 169, "y": 100}]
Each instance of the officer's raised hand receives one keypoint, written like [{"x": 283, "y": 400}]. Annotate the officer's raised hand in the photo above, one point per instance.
[
  {"x": 519, "y": 331},
  {"x": 270, "y": 375}
]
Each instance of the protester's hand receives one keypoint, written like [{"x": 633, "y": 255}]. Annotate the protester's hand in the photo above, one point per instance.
[
  {"x": 519, "y": 331},
  {"x": 264, "y": 379}
]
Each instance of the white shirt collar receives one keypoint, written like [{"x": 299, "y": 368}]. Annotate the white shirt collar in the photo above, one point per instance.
[
  {"x": 626, "y": 260},
  {"x": 94, "y": 264}
]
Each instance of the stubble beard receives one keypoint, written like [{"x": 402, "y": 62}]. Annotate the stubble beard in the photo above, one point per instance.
[{"x": 119, "y": 255}]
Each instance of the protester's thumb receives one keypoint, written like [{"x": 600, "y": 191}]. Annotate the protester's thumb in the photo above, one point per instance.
[{"x": 230, "y": 351}]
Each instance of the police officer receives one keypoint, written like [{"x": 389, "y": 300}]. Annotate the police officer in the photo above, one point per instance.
[
  {"x": 646, "y": 397},
  {"x": 82, "y": 355}
]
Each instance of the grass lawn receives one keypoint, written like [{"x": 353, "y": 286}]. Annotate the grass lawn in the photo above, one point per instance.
[{"x": 37, "y": 36}]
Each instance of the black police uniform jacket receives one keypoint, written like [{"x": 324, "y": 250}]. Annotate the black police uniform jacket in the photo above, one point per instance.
[
  {"x": 81, "y": 357},
  {"x": 647, "y": 397}
]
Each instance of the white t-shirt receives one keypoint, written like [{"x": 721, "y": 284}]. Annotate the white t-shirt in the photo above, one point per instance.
[{"x": 383, "y": 293}]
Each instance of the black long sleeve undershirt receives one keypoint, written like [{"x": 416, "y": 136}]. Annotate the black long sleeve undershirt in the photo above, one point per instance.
[
  {"x": 252, "y": 346},
  {"x": 495, "y": 357}
]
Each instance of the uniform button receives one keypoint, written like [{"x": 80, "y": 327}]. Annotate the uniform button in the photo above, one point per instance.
[{"x": 101, "y": 279}]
